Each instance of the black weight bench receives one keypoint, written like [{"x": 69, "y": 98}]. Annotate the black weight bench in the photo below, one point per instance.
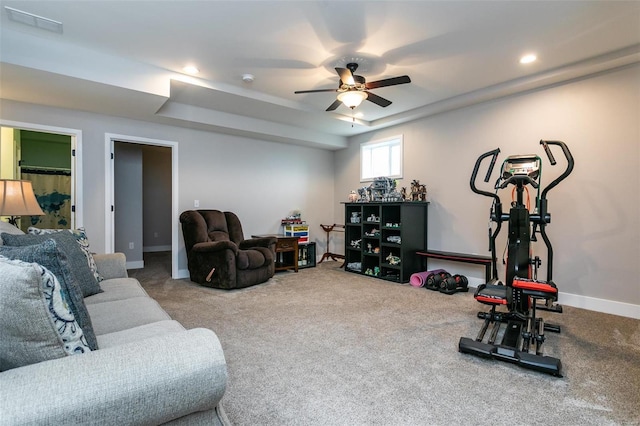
[{"x": 459, "y": 257}]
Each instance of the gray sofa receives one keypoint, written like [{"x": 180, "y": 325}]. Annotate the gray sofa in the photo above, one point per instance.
[{"x": 148, "y": 369}]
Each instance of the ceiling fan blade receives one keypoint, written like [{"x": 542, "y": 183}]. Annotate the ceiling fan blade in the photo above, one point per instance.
[
  {"x": 378, "y": 100},
  {"x": 315, "y": 91},
  {"x": 334, "y": 105},
  {"x": 388, "y": 82},
  {"x": 346, "y": 76}
]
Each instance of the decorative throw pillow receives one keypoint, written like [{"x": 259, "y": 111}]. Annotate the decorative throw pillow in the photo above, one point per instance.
[
  {"x": 81, "y": 237},
  {"x": 35, "y": 319},
  {"x": 9, "y": 229},
  {"x": 49, "y": 255},
  {"x": 67, "y": 243}
]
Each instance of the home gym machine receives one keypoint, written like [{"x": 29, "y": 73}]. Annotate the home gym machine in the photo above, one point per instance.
[{"x": 518, "y": 329}]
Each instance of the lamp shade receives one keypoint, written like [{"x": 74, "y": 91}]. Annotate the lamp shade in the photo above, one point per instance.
[
  {"x": 352, "y": 98},
  {"x": 17, "y": 199}
]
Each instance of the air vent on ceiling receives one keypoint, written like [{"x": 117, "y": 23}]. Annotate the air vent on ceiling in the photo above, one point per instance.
[{"x": 32, "y": 20}]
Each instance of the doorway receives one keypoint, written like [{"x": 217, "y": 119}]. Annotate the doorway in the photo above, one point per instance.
[
  {"x": 44, "y": 159},
  {"x": 49, "y": 157},
  {"x": 131, "y": 229}
]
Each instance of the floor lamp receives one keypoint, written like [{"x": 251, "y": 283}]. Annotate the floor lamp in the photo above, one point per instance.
[{"x": 17, "y": 199}]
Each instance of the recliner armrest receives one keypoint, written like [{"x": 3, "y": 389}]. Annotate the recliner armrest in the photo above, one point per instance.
[
  {"x": 151, "y": 381},
  {"x": 213, "y": 246},
  {"x": 258, "y": 242}
]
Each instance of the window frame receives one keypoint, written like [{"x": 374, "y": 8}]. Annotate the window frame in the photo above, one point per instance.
[{"x": 392, "y": 141}]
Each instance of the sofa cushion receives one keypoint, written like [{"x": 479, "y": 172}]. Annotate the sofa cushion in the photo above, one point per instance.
[
  {"x": 36, "y": 322},
  {"x": 9, "y": 229},
  {"x": 68, "y": 244},
  {"x": 141, "y": 332},
  {"x": 117, "y": 289},
  {"x": 81, "y": 238},
  {"x": 118, "y": 315},
  {"x": 111, "y": 265},
  {"x": 51, "y": 257}
]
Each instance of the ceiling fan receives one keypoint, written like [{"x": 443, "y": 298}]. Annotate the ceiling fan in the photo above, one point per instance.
[{"x": 353, "y": 89}]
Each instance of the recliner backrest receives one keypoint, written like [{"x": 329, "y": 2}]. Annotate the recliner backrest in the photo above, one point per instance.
[
  {"x": 216, "y": 222},
  {"x": 234, "y": 227},
  {"x": 210, "y": 225},
  {"x": 194, "y": 228}
]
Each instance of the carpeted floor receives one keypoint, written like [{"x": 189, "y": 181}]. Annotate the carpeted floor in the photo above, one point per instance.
[{"x": 327, "y": 347}]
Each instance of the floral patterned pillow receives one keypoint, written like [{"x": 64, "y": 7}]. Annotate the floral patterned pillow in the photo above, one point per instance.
[
  {"x": 37, "y": 323},
  {"x": 81, "y": 237}
]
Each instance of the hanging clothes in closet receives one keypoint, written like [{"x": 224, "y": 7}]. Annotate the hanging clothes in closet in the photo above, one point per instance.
[{"x": 52, "y": 188}]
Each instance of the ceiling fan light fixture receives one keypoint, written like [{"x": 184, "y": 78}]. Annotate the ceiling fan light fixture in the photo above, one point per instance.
[{"x": 352, "y": 98}]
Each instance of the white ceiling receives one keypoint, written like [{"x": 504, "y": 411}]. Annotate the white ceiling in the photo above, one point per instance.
[{"x": 125, "y": 58}]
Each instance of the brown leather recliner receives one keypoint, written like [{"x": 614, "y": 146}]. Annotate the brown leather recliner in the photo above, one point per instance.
[{"x": 219, "y": 256}]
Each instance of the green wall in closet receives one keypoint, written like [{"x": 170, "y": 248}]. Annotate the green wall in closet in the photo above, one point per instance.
[{"x": 45, "y": 150}]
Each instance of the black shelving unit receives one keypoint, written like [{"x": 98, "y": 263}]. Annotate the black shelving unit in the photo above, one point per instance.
[
  {"x": 381, "y": 239},
  {"x": 306, "y": 255}
]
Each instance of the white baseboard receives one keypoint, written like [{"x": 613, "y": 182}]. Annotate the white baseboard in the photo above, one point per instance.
[
  {"x": 182, "y": 273},
  {"x": 600, "y": 305},
  {"x": 138, "y": 264},
  {"x": 585, "y": 302},
  {"x": 475, "y": 282},
  {"x": 151, "y": 249}
]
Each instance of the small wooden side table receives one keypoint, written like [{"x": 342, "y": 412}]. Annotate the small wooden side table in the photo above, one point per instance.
[{"x": 284, "y": 245}]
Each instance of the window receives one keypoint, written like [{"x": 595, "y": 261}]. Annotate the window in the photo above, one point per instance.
[{"x": 381, "y": 158}]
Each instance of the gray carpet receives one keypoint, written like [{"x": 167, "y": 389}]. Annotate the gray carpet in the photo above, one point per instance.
[{"x": 327, "y": 347}]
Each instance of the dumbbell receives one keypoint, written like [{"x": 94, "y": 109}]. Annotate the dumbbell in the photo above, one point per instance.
[
  {"x": 453, "y": 284},
  {"x": 434, "y": 279}
]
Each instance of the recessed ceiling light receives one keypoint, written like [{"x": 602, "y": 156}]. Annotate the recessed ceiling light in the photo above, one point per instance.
[
  {"x": 527, "y": 59},
  {"x": 190, "y": 69}
]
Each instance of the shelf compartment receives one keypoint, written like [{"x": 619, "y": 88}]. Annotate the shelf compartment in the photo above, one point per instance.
[{"x": 371, "y": 213}]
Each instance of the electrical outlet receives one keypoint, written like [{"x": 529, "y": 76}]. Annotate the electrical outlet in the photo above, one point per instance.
[
  {"x": 196, "y": 203},
  {"x": 130, "y": 246},
  {"x": 155, "y": 235}
]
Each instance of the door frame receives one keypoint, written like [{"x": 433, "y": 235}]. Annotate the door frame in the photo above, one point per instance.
[
  {"x": 76, "y": 161},
  {"x": 110, "y": 139}
]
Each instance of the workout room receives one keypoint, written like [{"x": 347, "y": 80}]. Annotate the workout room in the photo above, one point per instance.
[{"x": 595, "y": 225}]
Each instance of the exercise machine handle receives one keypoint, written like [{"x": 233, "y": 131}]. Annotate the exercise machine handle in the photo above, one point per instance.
[
  {"x": 493, "y": 163},
  {"x": 474, "y": 175},
  {"x": 568, "y": 170},
  {"x": 545, "y": 145},
  {"x": 496, "y": 209},
  {"x": 546, "y": 218}
]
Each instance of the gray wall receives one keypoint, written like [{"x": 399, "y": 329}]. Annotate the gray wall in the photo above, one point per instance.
[
  {"x": 595, "y": 226},
  {"x": 156, "y": 196},
  {"x": 128, "y": 201},
  {"x": 260, "y": 181}
]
